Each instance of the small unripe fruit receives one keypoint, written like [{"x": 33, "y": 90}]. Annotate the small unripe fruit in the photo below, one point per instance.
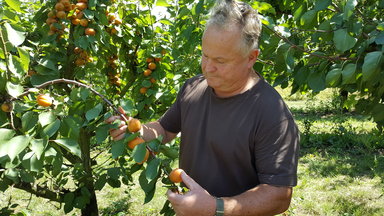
[{"x": 6, "y": 107}]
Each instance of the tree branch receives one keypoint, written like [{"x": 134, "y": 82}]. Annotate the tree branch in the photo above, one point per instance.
[
  {"x": 51, "y": 82},
  {"x": 41, "y": 191}
]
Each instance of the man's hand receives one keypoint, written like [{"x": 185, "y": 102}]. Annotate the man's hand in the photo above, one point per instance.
[
  {"x": 118, "y": 134},
  {"x": 197, "y": 201}
]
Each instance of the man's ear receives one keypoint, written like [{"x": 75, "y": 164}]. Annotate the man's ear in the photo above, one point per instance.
[{"x": 253, "y": 57}]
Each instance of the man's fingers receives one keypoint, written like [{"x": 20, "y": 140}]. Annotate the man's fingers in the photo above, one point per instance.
[
  {"x": 115, "y": 133},
  {"x": 189, "y": 182},
  {"x": 173, "y": 197},
  {"x": 121, "y": 110},
  {"x": 112, "y": 119}
]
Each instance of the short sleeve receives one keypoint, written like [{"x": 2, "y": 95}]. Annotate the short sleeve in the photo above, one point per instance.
[
  {"x": 171, "y": 120},
  {"x": 276, "y": 154}
]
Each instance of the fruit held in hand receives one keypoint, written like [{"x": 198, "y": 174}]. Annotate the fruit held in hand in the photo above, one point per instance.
[
  {"x": 134, "y": 125},
  {"x": 175, "y": 175},
  {"x": 44, "y": 100},
  {"x": 135, "y": 142}
]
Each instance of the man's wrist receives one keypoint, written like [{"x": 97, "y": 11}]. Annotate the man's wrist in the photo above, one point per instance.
[{"x": 219, "y": 206}]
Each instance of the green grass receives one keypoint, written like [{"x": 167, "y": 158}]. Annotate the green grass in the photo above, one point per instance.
[{"x": 341, "y": 168}]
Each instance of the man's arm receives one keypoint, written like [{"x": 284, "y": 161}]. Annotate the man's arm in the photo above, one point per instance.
[{"x": 261, "y": 200}]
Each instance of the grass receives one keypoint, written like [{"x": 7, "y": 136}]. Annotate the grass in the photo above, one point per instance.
[{"x": 341, "y": 168}]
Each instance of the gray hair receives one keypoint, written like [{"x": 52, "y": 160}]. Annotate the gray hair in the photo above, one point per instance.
[{"x": 227, "y": 13}]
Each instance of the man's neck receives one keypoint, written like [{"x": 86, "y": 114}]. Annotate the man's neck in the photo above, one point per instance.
[{"x": 253, "y": 78}]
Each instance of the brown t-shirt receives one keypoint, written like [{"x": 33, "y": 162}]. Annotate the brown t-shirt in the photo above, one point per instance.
[{"x": 230, "y": 145}]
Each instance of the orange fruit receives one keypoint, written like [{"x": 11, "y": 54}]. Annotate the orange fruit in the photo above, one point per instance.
[
  {"x": 79, "y": 15},
  {"x": 111, "y": 17},
  {"x": 61, "y": 15},
  {"x": 143, "y": 90},
  {"x": 117, "y": 22},
  {"x": 44, "y": 100},
  {"x": 84, "y": 22},
  {"x": 50, "y": 20},
  {"x": 175, "y": 175},
  {"x": 148, "y": 60},
  {"x": 77, "y": 50},
  {"x": 51, "y": 14},
  {"x": 80, "y": 62},
  {"x": 134, "y": 125},
  {"x": 59, "y": 6},
  {"x": 6, "y": 107},
  {"x": 152, "y": 66},
  {"x": 145, "y": 157},
  {"x": 147, "y": 72},
  {"x": 135, "y": 142},
  {"x": 90, "y": 31},
  {"x": 152, "y": 80},
  {"x": 81, "y": 5},
  {"x": 157, "y": 59},
  {"x": 76, "y": 21},
  {"x": 113, "y": 31}
]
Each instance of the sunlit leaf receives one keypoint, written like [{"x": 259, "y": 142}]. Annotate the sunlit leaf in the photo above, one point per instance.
[
  {"x": 372, "y": 64},
  {"x": 70, "y": 145},
  {"x": 15, "y": 37},
  {"x": 14, "y": 89}
]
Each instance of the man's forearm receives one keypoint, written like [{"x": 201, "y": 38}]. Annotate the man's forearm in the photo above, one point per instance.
[{"x": 261, "y": 200}]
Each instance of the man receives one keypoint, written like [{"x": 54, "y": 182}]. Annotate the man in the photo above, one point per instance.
[{"x": 239, "y": 143}]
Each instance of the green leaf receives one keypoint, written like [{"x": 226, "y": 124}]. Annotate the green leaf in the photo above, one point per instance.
[
  {"x": 377, "y": 112},
  {"x": 24, "y": 57},
  {"x": 316, "y": 81},
  {"x": 51, "y": 129},
  {"x": 68, "y": 202},
  {"x": 14, "y": 89},
  {"x": 15, "y": 66},
  {"x": 333, "y": 77},
  {"x": 38, "y": 146},
  {"x": 102, "y": 133},
  {"x": 322, "y": 4},
  {"x": 30, "y": 162},
  {"x": 14, "y": 4},
  {"x": 15, "y": 37},
  {"x": 70, "y": 145},
  {"x": 372, "y": 64},
  {"x": 152, "y": 169},
  {"x": 349, "y": 8},
  {"x": 309, "y": 19},
  {"x": 343, "y": 41},
  {"x": 348, "y": 74},
  {"x": 16, "y": 145},
  {"x": 162, "y": 3},
  {"x": 48, "y": 63},
  {"x": 28, "y": 121},
  {"x": 169, "y": 152},
  {"x": 94, "y": 112},
  {"x": 26, "y": 176},
  {"x": 46, "y": 118},
  {"x": 100, "y": 182},
  {"x": 139, "y": 152},
  {"x": 5, "y": 135},
  {"x": 114, "y": 172},
  {"x": 118, "y": 148}
]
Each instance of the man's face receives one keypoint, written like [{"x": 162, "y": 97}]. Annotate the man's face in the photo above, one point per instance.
[{"x": 223, "y": 63}]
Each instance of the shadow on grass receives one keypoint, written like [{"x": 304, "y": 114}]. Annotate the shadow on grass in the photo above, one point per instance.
[{"x": 350, "y": 207}]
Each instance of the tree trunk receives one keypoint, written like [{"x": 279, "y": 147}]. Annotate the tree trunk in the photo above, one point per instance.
[{"x": 91, "y": 209}]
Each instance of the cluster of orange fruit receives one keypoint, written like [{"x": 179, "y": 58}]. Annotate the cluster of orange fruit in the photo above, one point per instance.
[
  {"x": 55, "y": 16},
  {"x": 114, "y": 20},
  {"x": 82, "y": 56},
  {"x": 151, "y": 66},
  {"x": 113, "y": 74}
]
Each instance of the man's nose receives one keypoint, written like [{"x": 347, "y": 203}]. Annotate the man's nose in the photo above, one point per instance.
[{"x": 209, "y": 66}]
